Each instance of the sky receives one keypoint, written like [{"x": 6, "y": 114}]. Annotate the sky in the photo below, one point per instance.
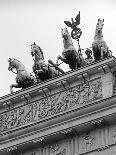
[{"x": 23, "y": 22}]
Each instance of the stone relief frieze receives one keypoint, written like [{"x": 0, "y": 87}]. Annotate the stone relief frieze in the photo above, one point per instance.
[
  {"x": 54, "y": 148},
  {"x": 74, "y": 97},
  {"x": 87, "y": 142},
  {"x": 99, "y": 140},
  {"x": 112, "y": 135},
  {"x": 58, "y": 148},
  {"x": 63, "y": 152}
]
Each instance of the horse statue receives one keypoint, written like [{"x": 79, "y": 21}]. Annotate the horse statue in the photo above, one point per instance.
[
  {"x": 41, "y": 70},
  {"x": 23, "y": 78},
  {"x": 99, "y": 46},
  {"x": 70, "y": 55}
]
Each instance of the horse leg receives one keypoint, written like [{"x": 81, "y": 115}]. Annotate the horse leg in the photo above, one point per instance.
[
  {"x": 102, "y": 52},
  {"x": 61, "y": 58},
  {"x": 96, "y": 52},
  {"x": 57, "y": 59},
  {"x": 109, "y": 53},
  {"x": 13, "y": 85}
]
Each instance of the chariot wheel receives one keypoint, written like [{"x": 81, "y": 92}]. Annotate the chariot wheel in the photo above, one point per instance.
[{"x": 76, "y": 33}]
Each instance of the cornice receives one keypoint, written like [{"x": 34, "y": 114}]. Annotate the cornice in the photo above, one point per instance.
[
  {"x": 82, "y": 73},
  {"x": 92, "y": 114},
  {"x": 86, "y": 121}
]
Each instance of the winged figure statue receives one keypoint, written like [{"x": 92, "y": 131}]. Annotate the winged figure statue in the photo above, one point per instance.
[{"x": 73, "y": 24}]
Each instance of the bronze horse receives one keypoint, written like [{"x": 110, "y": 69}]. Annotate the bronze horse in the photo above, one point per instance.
[
  {"x": 41, "y": 70},
  {"x": 70, "y": 55},
  {"x": 99, "y": 46},
  {"x": 23, "y": 78}
]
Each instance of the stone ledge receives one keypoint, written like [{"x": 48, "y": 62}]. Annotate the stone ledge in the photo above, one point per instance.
[
  {"x": 91, "y": 69},
  {"x": 72, "y": 119},
  {"x": 78, "y": 124}
]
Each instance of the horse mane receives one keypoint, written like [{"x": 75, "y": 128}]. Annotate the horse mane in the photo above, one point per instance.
[
  {"x": 18, "y": 61},
  {"x": 41, "y": 51},
  {"x": 67, "y": 31},
  {"x": 67, "y": 42}
]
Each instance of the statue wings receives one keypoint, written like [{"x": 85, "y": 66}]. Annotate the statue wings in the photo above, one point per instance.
[
  {"x": 68, "y": 23},
  {"x": 77, "y": 21}
]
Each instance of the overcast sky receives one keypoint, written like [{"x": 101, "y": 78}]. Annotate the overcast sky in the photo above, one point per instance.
[{"x": 23, "y": 22}]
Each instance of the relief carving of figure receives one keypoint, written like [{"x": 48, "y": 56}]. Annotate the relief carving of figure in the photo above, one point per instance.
[
  {"x": 23, "y": 78},
  {"x": 99, "y": 46},
  {"x": 87, "y": 143},
  {"x": 76, "y": 31}
]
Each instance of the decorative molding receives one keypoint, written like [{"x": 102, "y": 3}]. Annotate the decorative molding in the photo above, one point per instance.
[
  {"x": 63, "y": 152},
  {"x": 65, "y": 100},
  {"x": 74, "y": 97},
  {"x": 91, "y": 69},
  {"x": 38, "y": 140},
  {"x": 54, "y": 147},
  {"x": 98, "y": 123},
  {"x": 66, "y": 131},
  {"x": 87, "y": 142},
  {"x": 27, "y": 98},
  {"x": 8, "y": 105},
  {"x": 97, "y": 140},
  {"x": 102, "y": 148},
  {"x": 11, "y": 148},
  {"x": 33, "y": 153}
]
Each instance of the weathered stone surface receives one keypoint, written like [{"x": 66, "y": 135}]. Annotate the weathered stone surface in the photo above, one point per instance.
[
  {"x": 73, "y": 114},
  {"x": 107, "y": 85},
  {"x": 73, "y": 98},
  {"x": 96, "y": 142}
]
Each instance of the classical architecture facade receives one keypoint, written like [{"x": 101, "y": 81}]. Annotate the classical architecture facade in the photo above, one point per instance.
[{"x": 71, "y": 114}]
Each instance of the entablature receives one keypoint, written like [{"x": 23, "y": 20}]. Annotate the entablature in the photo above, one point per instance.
[{"x": 61, "y": 105}]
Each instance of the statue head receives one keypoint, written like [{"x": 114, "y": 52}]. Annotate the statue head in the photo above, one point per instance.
[
  {"x": 11, "y": 64},
  {"x": 36, "y": 51},
  {"x": 65, "y": 33}
]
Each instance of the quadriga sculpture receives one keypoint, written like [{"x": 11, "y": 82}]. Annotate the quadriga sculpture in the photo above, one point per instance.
[
  {"x": 99, "y": 46},
  {"x": 41, "y": 70},
  {"x": 70, "y": 55},
  {"x": 23, "y": 78}
]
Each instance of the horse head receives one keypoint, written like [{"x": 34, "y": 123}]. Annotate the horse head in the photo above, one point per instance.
[
  {"x": 23, "y": 78},
  {"x": 65, "y": 33},
  {"x": 15, "y": 64},
  {"x": 99, "y": 26},
  {"x": 12, "y": 64},
  {"x": 36, "y": 51}
]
